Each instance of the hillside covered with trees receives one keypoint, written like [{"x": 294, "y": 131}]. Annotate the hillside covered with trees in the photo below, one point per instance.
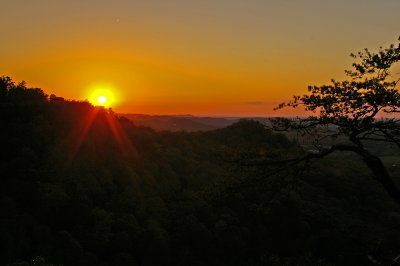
[{"x": 80, "y": 185}]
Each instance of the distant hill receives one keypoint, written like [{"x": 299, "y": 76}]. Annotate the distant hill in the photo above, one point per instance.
[{"x": 180, "y": 122}]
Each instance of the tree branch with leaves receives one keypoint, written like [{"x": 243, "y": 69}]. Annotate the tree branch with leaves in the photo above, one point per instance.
[{"x": 362, "y": 108}]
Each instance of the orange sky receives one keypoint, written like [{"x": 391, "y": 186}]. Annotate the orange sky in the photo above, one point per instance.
[{"x": 198, "y": 57}]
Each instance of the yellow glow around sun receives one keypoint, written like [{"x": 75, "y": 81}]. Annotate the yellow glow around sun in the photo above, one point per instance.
[{"x": 102, "y": 95}]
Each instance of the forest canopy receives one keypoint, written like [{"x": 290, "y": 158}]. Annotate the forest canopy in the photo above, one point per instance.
[{"x": 113, "y": 193}]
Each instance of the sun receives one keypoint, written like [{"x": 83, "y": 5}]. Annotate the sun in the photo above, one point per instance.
[
  {"x": 102, "y": 95},
  {"x": 101, "y": 100}
]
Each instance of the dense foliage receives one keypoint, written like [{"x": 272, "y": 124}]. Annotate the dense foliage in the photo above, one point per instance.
[{"x": 81, "y": 186}]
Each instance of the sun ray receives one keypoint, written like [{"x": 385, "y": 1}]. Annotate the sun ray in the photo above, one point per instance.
[
  {"x": 84, "y": 128},
  {"x": 124, "y": 143}
]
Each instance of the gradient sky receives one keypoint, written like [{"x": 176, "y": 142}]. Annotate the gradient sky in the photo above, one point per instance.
[{"x": 203, "y": 57}]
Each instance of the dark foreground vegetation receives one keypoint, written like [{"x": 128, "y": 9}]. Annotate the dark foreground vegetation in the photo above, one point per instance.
[{"x": 81, "y": 186}]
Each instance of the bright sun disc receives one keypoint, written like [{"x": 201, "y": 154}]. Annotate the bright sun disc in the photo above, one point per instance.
[
  {"x": 102, "y": 96},
  {"x": 101, "y": 100}
]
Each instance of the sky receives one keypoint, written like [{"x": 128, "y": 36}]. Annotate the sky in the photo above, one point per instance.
[{"x": 200, "y": 57}]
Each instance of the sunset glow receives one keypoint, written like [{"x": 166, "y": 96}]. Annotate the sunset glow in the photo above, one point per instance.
[
  {"x": 189, "y": 57},
  {"x": 200, "y": 132}
]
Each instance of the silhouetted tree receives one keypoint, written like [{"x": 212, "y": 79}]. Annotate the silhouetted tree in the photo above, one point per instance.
[
  {"x": 362, "y": 108},
  {"x": 5, "y": 84}
]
